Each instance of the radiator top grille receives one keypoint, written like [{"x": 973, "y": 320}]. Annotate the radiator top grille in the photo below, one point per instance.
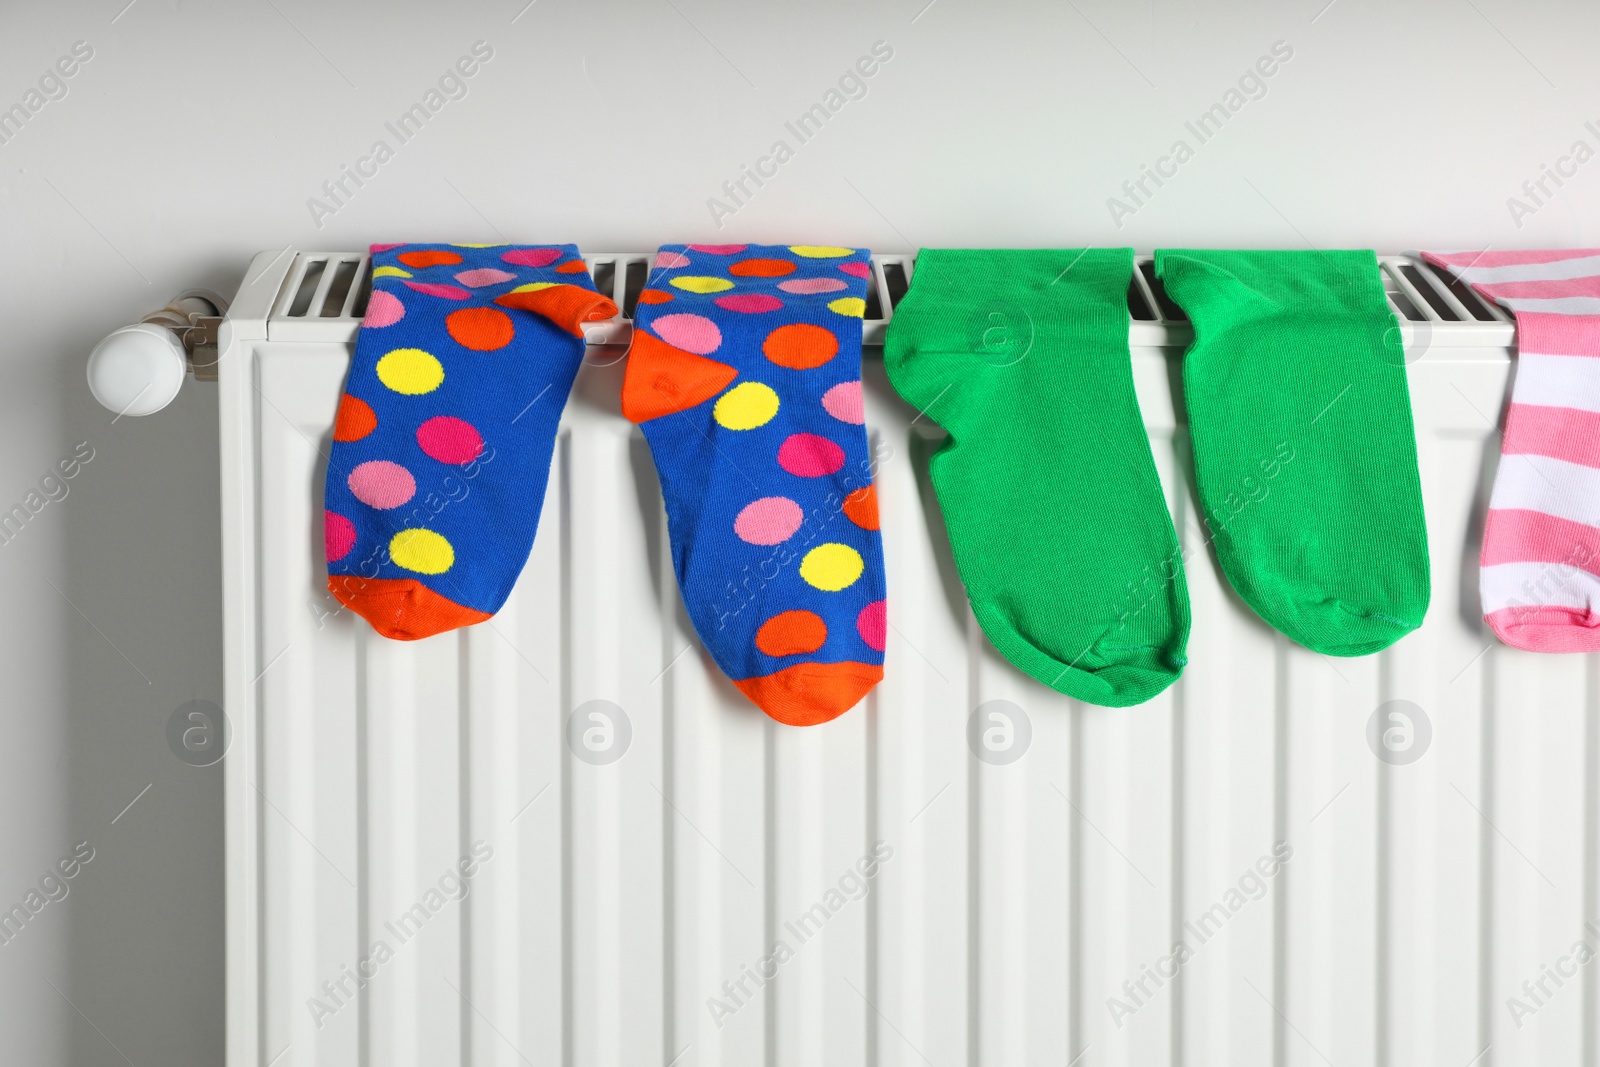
[{"x": 333, "y": 287}]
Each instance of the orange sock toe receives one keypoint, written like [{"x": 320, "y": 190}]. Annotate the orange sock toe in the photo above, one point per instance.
[
  {"x": 568, "y": 306},
  {"x": 811, "y": 693},
  {"x": 401, "y": 608}
]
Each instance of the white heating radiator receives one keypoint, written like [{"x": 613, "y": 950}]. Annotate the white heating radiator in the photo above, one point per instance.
[{"x": 621, "y": 901}]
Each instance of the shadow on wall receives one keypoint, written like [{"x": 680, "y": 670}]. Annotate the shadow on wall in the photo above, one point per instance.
[{"x": 139, "y": 557}]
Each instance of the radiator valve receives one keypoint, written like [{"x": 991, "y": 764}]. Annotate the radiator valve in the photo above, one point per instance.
[{"x": 138, "y": 369}]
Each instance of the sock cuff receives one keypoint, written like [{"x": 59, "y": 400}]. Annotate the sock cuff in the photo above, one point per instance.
[
  {"x": 1307, "y": 286},
  {"x": 1547, "y": 333},
  {"x": 1048, "y": 278},
  {"x": 987, "y": 302}
]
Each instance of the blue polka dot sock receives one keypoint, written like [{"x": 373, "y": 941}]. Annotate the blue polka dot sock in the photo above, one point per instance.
[
  {"x": 745, "y": 374},
  {"x": 442, "y": 444}
]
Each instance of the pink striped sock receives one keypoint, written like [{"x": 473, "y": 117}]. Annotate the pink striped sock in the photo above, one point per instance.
[{"x": 1540, "y": 578}]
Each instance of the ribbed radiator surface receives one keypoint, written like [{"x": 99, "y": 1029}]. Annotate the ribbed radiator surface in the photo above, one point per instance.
[{"x": 561, "y": 837}]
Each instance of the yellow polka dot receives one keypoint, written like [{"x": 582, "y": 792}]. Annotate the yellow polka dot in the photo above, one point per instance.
[
  {"x": 390, "y": 272},
  {"x": 820, "y": 251},
  {"x": 703, "y": 285},
  {"x": 411, "y": 371},
  {"x": 853, "y": 306},
  {"x": 534, "y": 287},
  {"x": 422, "y": 551},
  {"x": 746, "y": 406},
  {"x": 831, "y": 567}
]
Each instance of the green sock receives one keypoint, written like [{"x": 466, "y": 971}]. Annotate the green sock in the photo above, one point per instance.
[
  {"x": 1304, "y": 451},
  {"x": 1055, "y": 513}
]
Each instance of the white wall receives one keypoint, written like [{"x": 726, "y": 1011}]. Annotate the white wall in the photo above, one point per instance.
[{"x": 197, "y": 132}]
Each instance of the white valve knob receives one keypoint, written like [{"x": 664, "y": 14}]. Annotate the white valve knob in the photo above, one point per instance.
[{"x": 137, "y": 370}]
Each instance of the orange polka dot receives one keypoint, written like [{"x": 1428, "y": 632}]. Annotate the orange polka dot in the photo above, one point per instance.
[
  {"x": 861, "y": 507},
  {"x": 653, "y": 296},
  {"x": 792, "y": 633},
  {"x": 429, "y": 259},
  {"x": 356, "y": 419},
  {"x": 761, "y": 268},
  {"x": 800, "y": 346},
  {"x": 577, "y": 266},
  {"x": 480, "y": 329}
]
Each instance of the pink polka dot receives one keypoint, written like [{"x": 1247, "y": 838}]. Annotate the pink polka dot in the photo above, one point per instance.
[
  {"x": 692, "y": 333},
  {"x": 771, "y": 520},
  {"x": 812, "y": 285},
  {"x": 477, "y": 279},
  {"x": 752, "y": 304},
  {"x": 669, "y": 260},
  {"x": 809, "y": 456},
  {"x": 873, "y": 624},
  {"x": 383, "y": 485},
  {"x": 856, "y": 270},
  {"x": 843, "y": 402},
  {"x": 338, "y": 535},
  {"x": 718, "y": 250},
  {"x": 448, "y": 292},
  {"x": 384, "y": 248},
  {"x": 449, "y": 440},
  {"x": 383, "y": 309},
  {"x": 531, "y": 257}
]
